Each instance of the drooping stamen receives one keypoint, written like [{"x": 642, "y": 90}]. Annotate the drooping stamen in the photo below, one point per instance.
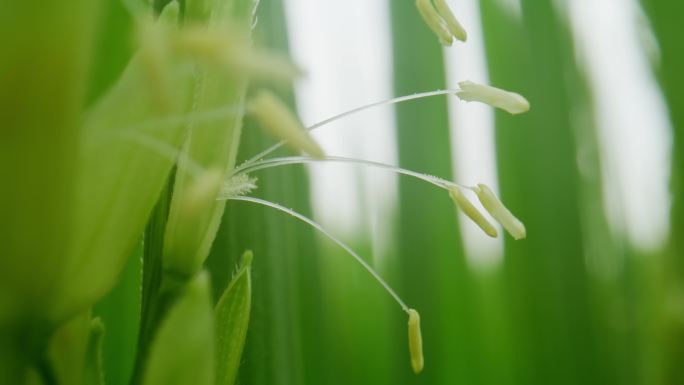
[
  {"x": 434, "y": 21},
  {"x": 396, "y": 100},
  {"x": 499, "y": 212},
  {"x": 415, "y": 340},
  {"x": 452, "y": 23},
  {"x": 325, "y": 232},
  {"x": 495, "y": 97},
  {"x": 472, "y": 212},
  {"x": 275, "y": 117}
]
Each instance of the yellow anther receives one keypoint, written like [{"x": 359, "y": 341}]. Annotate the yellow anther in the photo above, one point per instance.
[
  {"x": 452, "y": 23},
  {"x": 472, "y": 212},
  {"x": 434, "y": 21},
  {"x": 499, "y": 212},
  {"x": 495, "y": 97},
  {"x": 415, "y": 341}
]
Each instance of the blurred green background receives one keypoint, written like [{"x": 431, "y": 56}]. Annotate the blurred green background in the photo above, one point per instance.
[{"x": 577, "y": 302}]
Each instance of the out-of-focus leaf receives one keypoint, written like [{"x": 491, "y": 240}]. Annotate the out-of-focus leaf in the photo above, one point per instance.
[
  {"x": 435, "y": 280},
  {"x": 286, "y": 282},
  {"x": 547, "y": 290},
  {"x": 119, "y": 310},
  {"x": 68, "y": 347},
  {"x": 113, "y": 48},
  {"x": 668, "y": 29},
  {"x": 182, "y": 351},
  {"x": 43, "y": 69},
  {"x": 93, "y": 366},
  {"x": 130, "y": 142},
  {"x": 231, "y": 321}
]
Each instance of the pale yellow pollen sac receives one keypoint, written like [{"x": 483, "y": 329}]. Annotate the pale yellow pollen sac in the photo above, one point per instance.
[
  {"x": 203, "y": 191},
  {"x": 280, "y": 122},
  {"x": 415, "y": 341},
  {"x": 499, "y": 212},
  {"x": 495, "y": 97},
  {"x": 452, "y": 23},
  {"x": 434, "y": 21},
  {"x": 472, "y": 212},
  {"x": 230, "y": 48}
]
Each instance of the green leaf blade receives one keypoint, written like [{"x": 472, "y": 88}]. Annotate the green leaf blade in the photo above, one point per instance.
[
  {"x": 232, "y": 319},
  {"x": 183, "y": 349}
]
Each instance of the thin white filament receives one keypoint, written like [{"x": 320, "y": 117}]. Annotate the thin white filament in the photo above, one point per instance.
[
  {"x": 353, "y": 111},
  {"x": 276, "y": 162},
  {"x": 325, "y": 232}
]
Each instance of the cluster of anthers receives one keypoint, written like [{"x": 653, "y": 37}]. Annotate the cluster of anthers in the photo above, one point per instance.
[{"x": 277, "y": 119}]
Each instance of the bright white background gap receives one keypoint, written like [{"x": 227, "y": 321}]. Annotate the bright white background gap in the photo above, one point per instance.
[
  {"x": 634, "y": 131},
  {"x": 345, "y": 49},
  {"x": 472, "y": 132}
]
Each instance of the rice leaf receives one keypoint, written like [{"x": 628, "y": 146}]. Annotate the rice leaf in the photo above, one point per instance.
[
  {"x": 231, "y": 319},
  {"x": 130, "y": 143},
  {"x": 212, "y": 145},
  {"x": 183, "y": 348}
]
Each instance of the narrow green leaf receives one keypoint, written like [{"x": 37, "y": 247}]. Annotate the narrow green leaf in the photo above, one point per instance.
[
  {"x": 438, "y": 283},
  {"x": 183, "y": 348},
  {"x": 93, "y": 367},
  {"x": 287, "y": 296},
  {"x": 194, "y": 218},
  {"x": 232, "y": 318}
]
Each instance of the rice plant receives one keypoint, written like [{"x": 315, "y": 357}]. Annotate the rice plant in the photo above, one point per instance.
[{"x": 150, "y": 154}]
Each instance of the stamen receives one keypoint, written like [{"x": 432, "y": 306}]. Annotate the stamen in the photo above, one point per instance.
[
  {"x": 434, "y": 21},
  {"x": 495, "y": 97},
  {"x": 276, "y": 162},
  {"x": 473, "y": 213},
  {"x": 415, "y": 340},
  {"x": 494, "y": 206},
  {"x": 325, "y": 232},
  {"x": 452, "y": 23},
  {"x": 396, "y": 100},
  {"x": 275, "y": 117}
]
